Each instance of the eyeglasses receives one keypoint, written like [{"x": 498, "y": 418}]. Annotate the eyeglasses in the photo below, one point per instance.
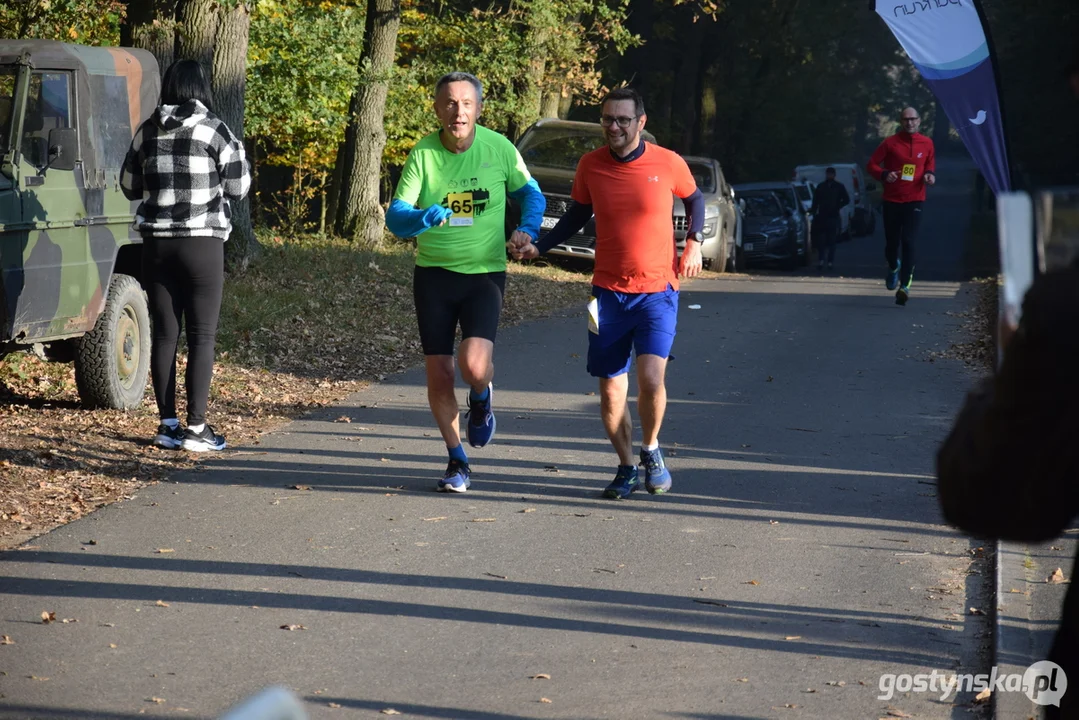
[
  {"x": 911, "y": 119},
  {"x": 623, "y": 122}
]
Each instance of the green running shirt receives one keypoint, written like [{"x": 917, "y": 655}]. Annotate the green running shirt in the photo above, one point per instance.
[{"x": 472, "y": 184}]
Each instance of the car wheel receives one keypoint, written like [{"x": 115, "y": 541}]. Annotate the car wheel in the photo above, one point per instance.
[
  {"x": 720, "y": 263},
  {"x": 112, "y": 361}
]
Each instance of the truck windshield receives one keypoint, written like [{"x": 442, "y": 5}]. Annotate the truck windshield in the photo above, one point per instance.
[{"x": 7, "y": 103}]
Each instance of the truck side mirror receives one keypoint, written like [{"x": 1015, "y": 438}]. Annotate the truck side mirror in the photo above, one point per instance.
[{"x": 62, "y": 149}]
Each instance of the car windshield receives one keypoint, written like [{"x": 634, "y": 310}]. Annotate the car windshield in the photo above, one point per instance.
[
  {"x": 762, "y": 203},
  {"x": 7, "y": 102},
  {"x": 703, "y": 176},
  {"x": 557, "y": 147},
  {"x": 803, "y": 192}
]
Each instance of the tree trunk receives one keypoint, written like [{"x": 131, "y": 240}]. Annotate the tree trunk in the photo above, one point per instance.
[
  {"x": 552, "y": 102},
  {"x": 197, "y": 32},
  {"x": 336, "y": 181},
  {"x": 360, "y": 214},
  {"x": 151, "y": 25},
  {"x": 229, "y": 80}
]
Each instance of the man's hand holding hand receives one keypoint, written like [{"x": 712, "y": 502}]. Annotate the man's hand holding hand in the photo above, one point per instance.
[
  {"x": 690, "y": 265},
  {"x": 521, "y": 247}
]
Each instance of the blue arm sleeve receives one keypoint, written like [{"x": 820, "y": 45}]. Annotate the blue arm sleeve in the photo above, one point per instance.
[
  {"x": 532, "y": 205},
  {"x": 569, "y": 225},
  {"x": 405, "y": 221},
  {"x": 694, "y": 211}
]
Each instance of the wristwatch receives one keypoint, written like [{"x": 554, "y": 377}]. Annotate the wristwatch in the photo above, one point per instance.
[{"x": 695, "y": 236}]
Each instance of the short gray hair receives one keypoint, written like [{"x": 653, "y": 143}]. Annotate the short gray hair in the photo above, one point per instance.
[{"x": 460, "y": 77}]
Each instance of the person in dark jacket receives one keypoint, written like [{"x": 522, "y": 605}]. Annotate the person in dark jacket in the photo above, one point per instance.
[
  {"x": 828, "y": 199},
  {"x": 1010, "y": 467},
  {"x": 186, "y": 167}
]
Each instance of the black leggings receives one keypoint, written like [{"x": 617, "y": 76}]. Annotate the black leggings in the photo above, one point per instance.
[
  {"x": 901, "y": 222},
  {"x": 184, "y": 278}
]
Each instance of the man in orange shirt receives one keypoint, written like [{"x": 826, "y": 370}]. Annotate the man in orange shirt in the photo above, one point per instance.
[{"x": 630, "y": 185}]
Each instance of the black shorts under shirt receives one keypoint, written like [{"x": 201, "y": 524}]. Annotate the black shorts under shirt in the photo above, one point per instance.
[{"x": 445, "y": 298}]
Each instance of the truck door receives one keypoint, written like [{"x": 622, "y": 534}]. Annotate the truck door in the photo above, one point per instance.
[{"x": 58, "y": 273}]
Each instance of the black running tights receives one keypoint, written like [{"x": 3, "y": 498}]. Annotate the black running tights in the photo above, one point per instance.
[{"x": 184, "y": 278}]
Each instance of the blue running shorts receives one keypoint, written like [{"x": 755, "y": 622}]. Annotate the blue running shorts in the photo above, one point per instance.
[{"x": 620, "y": 323}]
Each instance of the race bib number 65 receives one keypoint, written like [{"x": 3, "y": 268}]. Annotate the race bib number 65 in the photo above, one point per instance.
[
  {"x": 908, "y": 172},
  {"x": 462, "y": 208}
]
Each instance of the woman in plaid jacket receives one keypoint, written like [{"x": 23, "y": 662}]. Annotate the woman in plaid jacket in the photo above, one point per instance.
[{"x": 186, "y": 167}]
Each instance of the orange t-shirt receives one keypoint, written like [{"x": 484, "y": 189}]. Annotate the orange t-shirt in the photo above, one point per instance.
[{"x": 634, "y": 204}]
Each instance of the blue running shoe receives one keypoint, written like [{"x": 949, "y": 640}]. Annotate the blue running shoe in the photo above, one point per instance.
[
  {"x": 480, "y": 420},
  {"x": 457, "y": 477},
  {"x": 624, "y": 483},
  {"x": 902, "y": 295},
  {"x": 891, "y": 280},
  {"x": 657, "y": 478}
]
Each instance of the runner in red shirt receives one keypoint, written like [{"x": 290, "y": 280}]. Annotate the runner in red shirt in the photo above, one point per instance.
[
  {"x": 906, "y": 164},
  {"x": 630, "y": 185}
]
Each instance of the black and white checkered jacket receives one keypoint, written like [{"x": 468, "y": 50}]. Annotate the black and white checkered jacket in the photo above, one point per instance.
[{"x": 186, "y": 166}]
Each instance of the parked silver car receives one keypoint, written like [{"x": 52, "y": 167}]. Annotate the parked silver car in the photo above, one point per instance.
[{"x": 722, "y": 216}]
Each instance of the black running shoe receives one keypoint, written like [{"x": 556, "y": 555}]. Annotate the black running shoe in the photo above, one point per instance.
[
  {"x": 169, "y": 437},
  {"x": 203, "y": 441}
]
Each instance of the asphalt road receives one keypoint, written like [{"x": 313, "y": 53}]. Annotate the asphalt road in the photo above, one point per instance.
[{"x": 799, "y": 558}]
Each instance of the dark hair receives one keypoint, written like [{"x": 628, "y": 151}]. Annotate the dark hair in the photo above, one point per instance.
[
  {"x": 186, "y": 80},
  {"x": 829, "y": 171},
  {"x": 626, "y": 93},
  {"x": 460, "y": 77}
]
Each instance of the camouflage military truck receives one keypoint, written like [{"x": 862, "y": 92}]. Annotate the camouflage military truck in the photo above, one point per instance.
[{"x": 69, "y": 261}]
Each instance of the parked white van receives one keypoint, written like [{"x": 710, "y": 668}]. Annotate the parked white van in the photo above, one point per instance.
[{"x": 859, "y": 218}]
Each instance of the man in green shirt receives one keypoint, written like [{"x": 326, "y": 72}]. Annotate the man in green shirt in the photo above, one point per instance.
[{"x": 452, "y": 199}]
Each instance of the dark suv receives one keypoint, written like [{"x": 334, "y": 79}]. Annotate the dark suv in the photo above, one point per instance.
[{"x": 551, "y": 149}]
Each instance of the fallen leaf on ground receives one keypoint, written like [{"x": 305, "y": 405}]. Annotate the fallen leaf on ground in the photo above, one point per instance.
[
  {"x": 976, "y": 611},
  {"x": 334, "y": 705},
  {"x": 482, "y": 520},
  {"x": 162, "y": 551},
  {"x": 161, "y": 603},
  {"x": 983, "y": 695},
  {"x": 298, "y": 487},
  {"x": 6, "y": 640},
  {"x": 527, "y": 510},
  {"x": 343, "y": 419},
  {"x": 544, "y": 700},
  {"x": 435, "y": 519},
  {"x": 293, "y": 627},
  {"x": 35, "y": 677},
  {"x": 112, "y": 645},
  {"x": 751, "y": 582},
  {"x": 156, "y": 700},
  {"x": 390, "y": 711},
  {"x": 48, "y": 617},
  {"x": 793, "y": 637},
  {"x": 1056, "y": 578},
  {"x": 539, "y": 676},
  {"x": 836, "y": 683},
  {"x": 66, "y": 621},
  {"x": 741, "y": 679},
  {"x": 896, "y": 712}
]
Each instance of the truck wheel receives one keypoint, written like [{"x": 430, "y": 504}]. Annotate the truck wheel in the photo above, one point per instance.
[{"x": 112, "y": 361}]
